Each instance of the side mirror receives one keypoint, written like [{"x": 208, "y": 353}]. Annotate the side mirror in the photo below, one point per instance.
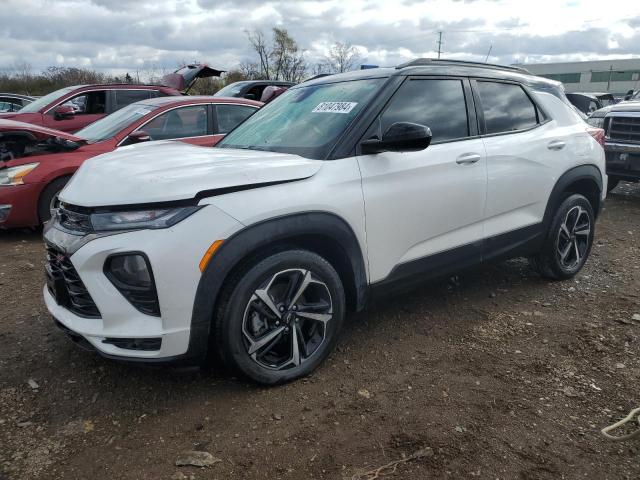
[
  {"x": 138, "y": 136},
  {"x": 400, "y": 137},
  {"x": 62, "y": 112}
]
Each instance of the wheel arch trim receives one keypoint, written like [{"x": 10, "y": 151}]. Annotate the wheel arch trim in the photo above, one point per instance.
[
  {"x": 576, "y": 174},
  {"x": 258, "y": 236}
]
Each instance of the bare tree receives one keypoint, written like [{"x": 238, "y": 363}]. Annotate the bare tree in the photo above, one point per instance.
[
  {"x": 249, "y": 70},
  {"x": 342, "y": 57},
  {"x": 280, "y": 60},
  {"x": 259, "y": 44}
]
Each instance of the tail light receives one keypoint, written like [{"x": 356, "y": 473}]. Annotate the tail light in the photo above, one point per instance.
[{"x": 597, "y": 134}]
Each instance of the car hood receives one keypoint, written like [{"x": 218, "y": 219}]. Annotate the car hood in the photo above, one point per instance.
[
  {"x": 37, "y": 132},
  {"x": 167, "y": 171},
  {"x": 628, "y": 106}
]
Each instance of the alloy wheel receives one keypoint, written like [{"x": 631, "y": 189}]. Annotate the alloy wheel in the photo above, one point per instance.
[
  {"x": 285, "y": 320},
  {"x": 573, "y": 238}
]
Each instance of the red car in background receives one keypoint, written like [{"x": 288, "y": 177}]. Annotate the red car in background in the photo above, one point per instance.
[
  {"x": 72, "y": 108},
  {"x": 36, "y": 162}
]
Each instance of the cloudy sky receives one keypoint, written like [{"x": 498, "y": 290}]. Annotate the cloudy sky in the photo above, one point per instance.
[{"x": 130, "y": 35}]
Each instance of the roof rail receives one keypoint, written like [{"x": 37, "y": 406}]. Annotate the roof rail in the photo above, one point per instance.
[{"x": 422, "y": 62}]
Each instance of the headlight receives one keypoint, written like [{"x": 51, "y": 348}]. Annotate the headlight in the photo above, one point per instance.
[
  {"x": 597, "y": 122},
  {"x": 15, "y": 175},
  {"x": 129, "y": 220}
]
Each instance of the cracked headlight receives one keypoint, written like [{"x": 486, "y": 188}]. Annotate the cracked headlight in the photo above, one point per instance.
[{"x": 137, "y": 219}]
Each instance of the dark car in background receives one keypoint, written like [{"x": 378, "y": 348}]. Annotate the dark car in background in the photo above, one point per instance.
[
  {"x": 73, "y": 108},
  {"x": 251, "y": 89},
  {"x": 621, "y": 124},
  {"x": 12, "y": 102},
  {"x": 588, "y": 103}
]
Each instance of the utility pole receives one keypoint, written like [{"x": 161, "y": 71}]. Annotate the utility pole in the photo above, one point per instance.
[
  {"x": 488, "y": 53},
  {"x": 439, "y": 43},
  {"x": 609, "y": 81}
]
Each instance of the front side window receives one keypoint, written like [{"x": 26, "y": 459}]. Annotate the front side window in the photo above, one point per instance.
[
  {"x": 90, "y": 103},
  {"x": 306, "y": 120},
  {"x": 230, "y": 116},
  {"x": 126, "y": 97},
  {"x": 437, "y": 104},
  {"x": 506, "y": 107},
  {"x": 178, "y": 123}
]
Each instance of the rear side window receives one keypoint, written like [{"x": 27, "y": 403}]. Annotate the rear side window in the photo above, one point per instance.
[
  {"x": 125, "y": 97},
  {"x": 438, "y": 104},
  {"x": 506, "y": 107},
  {"x": 230, "y": 116}
]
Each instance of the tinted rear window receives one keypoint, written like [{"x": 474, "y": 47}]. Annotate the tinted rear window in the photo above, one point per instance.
[
  {"x": 126, "y": 97},
  {"x": 506, "y": 107}
]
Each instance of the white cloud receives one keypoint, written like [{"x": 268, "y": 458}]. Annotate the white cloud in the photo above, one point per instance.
[{"x": 122, "y": 35}]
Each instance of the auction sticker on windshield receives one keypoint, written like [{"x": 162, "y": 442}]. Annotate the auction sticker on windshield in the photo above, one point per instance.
[{"x": 334, "y": 107}]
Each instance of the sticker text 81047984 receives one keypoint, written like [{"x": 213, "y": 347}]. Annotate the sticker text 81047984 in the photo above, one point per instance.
[{"x": 334, "y": 107}]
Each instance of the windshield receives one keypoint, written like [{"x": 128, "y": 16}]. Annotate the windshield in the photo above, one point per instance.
[
  {"x": 230, "y": 90},
  {"x": 110, "y": 125},
  {"x": 305, "y": 121},
  {"x": 42, "y": 102}
]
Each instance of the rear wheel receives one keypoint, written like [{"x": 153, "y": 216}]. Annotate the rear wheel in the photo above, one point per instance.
[
  {"x": 568, "y": 241},
  {"x": 279, "y": 319},
  {"x": 49, "y": 198}
]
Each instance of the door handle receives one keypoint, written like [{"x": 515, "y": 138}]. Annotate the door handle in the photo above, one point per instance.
[
  {"x": 467, "y": 159},
  {"x": 556, "y": 145}
]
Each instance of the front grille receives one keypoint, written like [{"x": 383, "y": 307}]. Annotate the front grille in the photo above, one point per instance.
[
  {"x": 66, "y": 287},
  {"x": 626, "y": 129}
]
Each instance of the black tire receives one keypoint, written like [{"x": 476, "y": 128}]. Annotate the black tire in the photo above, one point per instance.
[
  {"x": 49, "y": 193},
  {"x": 612, "y": 183},
  {"x": 550, "y": 262},
  {"x": 243, "y": 321}
]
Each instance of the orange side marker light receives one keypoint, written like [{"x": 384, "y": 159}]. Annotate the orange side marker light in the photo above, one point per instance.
[{"x": 209, "y": 253}]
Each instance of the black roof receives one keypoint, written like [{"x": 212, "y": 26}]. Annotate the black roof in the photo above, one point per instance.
[{"x": 441, "y": 67}]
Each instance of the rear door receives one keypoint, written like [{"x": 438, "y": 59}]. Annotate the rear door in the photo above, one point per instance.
[
  {"x": 422, "y": 204},
  {"x": 522, "y": 147}
]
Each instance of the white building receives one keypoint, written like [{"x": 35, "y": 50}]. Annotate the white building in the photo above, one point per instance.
[{"x": 613, "y": 76}]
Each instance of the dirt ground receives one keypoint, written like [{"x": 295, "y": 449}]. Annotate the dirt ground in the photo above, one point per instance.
[{"x": 493, "y": 374}]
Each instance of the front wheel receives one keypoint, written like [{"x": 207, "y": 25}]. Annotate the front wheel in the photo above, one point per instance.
[
  {"x": 49, "y": 198},
  {"x": 568, "y": 241},
  {"x": 279, "y": 319}
]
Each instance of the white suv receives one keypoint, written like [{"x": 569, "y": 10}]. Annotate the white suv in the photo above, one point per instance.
[{"x": 342, "y": 187}]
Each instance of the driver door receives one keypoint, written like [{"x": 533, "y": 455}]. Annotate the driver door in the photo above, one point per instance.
[
  {"x": 425, "y": 210},
  {"x": 88, "y": 107}
]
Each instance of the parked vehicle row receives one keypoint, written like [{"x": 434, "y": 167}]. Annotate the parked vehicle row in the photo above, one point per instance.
[
  {"x": 38, "y": 161},
  {"x": 343, "y": 187},
  {"x": 73, "y": 108}
]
